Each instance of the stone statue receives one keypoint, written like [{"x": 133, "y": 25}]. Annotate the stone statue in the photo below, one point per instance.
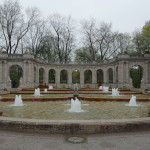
[
  {"x": 9, "y": 82},
  {"x": 76, "y": 90},
  {"x": 21, "y": 82},
  {"x": 76, "y": 87}
]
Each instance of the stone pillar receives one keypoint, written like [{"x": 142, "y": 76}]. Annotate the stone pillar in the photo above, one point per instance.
[
  {"x": 1, "y": 75},
  {"x": 149, "y": 73},
  {"x": 114, "y": 75},
  {"x": 46, "y": 76},
  {"x": 144, "y": 80},
  {"x": 127, "y": 75},
  {"x": 81, "y": 77},
  {"x": 5, "y": 77},
  {"x": 25, "y": 73},
  {"x": 30, "y": 80},
  {"x": 21, "y": 85},
  {"x": 146, "y": 72},
  {"x": 8, "y": 83},
  {"x": 94, "y": 78},
  {"x": 120, "y": 74},
  {"x": 37, "y": 75},
  {"x": 70, "y": 77},
  {"x": 32, "y": 74},
  {"x": 28, "y": 72},
  {"x": 57, "y": 76},
  {"x": 105, "y": 76}
]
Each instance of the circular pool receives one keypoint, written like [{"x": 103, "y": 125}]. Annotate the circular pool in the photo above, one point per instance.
[{"x": 58, "y": 110}]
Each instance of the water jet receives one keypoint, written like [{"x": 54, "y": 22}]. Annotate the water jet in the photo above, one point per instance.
[{"x": 18, "y": 101}]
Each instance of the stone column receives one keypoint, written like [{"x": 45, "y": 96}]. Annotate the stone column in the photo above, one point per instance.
[
  {"x": 126, "y": 72},
  {"x": 28, "y": 74},
  {"x": 6, "y": 70},
  {"x": 26, "y": 80},
  {"x": 127, "y": 75},
  {"x": 37, "y": 75},
  {"x": 94, "y": 78},
  {"x": 120, "y": 74},
  {"x": 31, "y": 74},
  {"x": 25, "y": 73},
  {"x": 1, "y": 75},
  {"x": 114, "y": 75},
  {"x": 105, "y": 76},
  {"x": 21, "y": 85},
  {"x": 46, "y": 76},
  {"x": 82, "y": 77},
  {"x": 144, "y": 80},
  {"x": 146, "y": 72},
  {"x": 57, "y": 76},
  {"x": 69, "y": 77}
]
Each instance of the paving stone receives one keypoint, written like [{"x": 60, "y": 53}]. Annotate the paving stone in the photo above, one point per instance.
[{"x": 33, "y": 141}]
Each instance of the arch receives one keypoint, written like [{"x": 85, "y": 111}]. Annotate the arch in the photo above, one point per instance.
[
  {"x": 136, "y": 74},
  {"x": 15, "y": 73},
  {"x": 51, "y": 75},
  {"x": 110, "y": 75},
  {"x": 100, "y": 76},
  {"x": 75, "y": 76},
  {"x": 41, "y": 75},
  {"x": 63, "y": 76},
  {"x": 87, "y": 76}
]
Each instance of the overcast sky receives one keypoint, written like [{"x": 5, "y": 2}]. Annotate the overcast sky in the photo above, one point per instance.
[{"x": 125, "y": 15}]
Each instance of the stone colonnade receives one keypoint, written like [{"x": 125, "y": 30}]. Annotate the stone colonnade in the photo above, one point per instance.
[{"x": 120, "y": 67}]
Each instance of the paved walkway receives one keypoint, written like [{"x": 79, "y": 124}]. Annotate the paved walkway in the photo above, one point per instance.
[{"x": 32, "y": 141}]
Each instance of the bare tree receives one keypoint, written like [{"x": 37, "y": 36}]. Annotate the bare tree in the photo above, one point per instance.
[
  {"x": 35, "y": 38},
  {"x": 88, "y": 30},
  {"x": 100, "y": 42},
  {"x": 104, "y": 38},
  {"x": 14, "y": 25},
  {"x": 97, "y": 41},
  {"x": 62, "y": 33}
]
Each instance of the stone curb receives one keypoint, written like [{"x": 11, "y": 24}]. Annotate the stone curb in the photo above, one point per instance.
[{"x": 75, "y": 126}]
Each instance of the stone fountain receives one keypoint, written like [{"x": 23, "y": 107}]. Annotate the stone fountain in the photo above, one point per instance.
[{"x": 75, "y": 90}]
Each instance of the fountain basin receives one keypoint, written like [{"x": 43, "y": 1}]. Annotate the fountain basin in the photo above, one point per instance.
[
  {"x": 58, "y": 110},
  {"x": 76, "y": 126}
]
